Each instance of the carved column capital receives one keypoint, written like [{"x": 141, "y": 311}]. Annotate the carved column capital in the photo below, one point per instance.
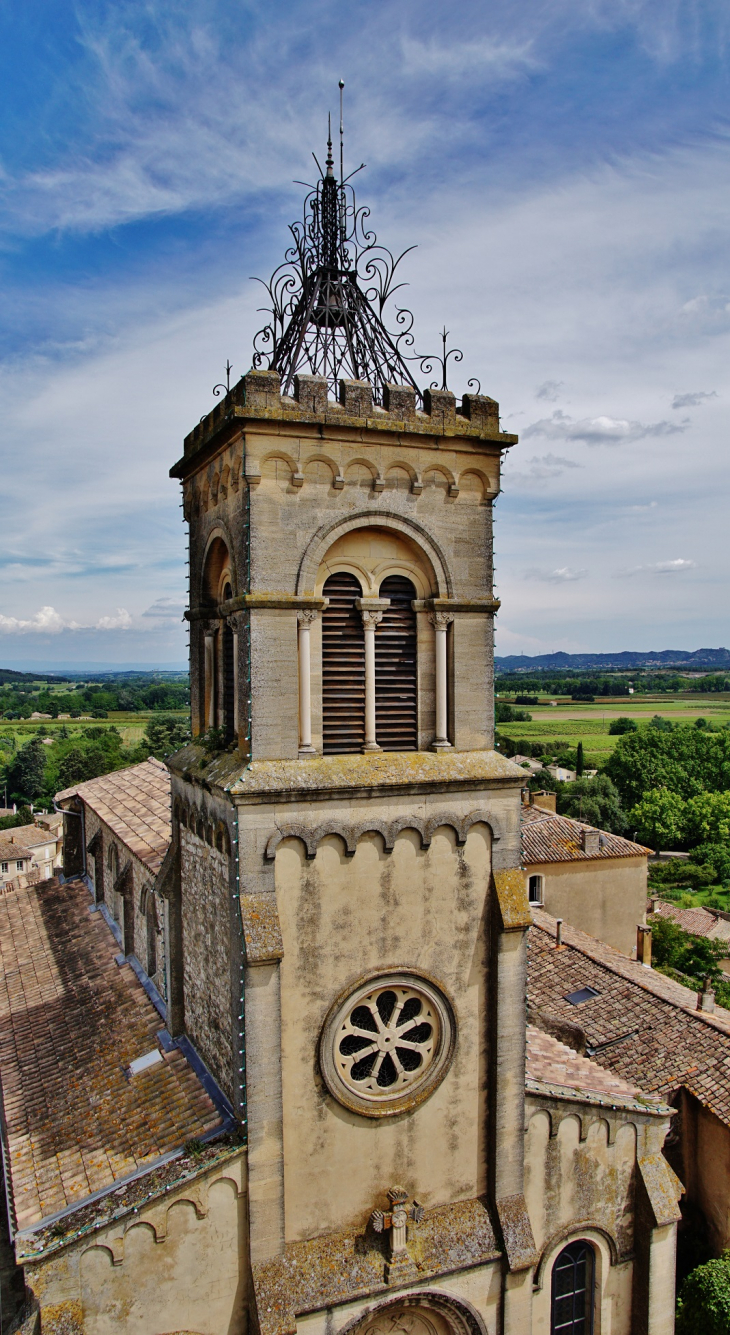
[
  {"x": 307, "y": 615},
  {"x": 370, "y": 618},
  {"x": 235, "y": 621},
  {"x": 441, "y": 619}
]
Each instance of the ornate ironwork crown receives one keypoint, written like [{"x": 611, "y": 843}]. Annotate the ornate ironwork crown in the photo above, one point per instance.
[{"x": 327, "y": 312}]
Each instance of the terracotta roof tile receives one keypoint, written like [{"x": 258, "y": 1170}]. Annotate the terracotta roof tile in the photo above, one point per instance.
[
  {"x": 699, "y": 921},
  {"x": 135, "y": 804},
  {"x": 550, "y": 838},
  {"x": 70, "y": 1023},
  {"x": 550, "y": 1062},
  {"x": 640, "y": 1025}
]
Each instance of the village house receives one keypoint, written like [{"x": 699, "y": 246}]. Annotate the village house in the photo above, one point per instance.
[
  {"x": 588, "y": 877},
  {"x": 29, "y": 853},
  {"x": 700, "y": 921}
]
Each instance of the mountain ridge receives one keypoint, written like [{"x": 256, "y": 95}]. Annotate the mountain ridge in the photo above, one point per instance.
[{"x": 663, "y": 658}]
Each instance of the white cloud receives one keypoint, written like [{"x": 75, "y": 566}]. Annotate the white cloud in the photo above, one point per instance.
[
  {"x": 693, "y": 400},
  {"x": 541, "y": 468},
  {"x": 47, "y": 621},
  {"x": 467, "y": 59},
  {"x": 563, "y": 575},
  {"x": 599, "y": 430}
]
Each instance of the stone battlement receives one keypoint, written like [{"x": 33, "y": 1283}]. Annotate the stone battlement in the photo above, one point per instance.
[{"x": 258, "y": 396}]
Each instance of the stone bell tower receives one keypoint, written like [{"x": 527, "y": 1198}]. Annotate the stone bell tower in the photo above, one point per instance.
[{"x": 349, "y": 914}]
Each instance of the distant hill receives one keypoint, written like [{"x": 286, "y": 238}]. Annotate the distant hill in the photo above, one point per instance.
[
  {"x": 12, "y": 677},
  {"x": 665, "y": 658}
]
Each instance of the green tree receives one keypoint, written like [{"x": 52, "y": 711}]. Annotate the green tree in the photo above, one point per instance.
[
  {"x": 704, "y": 1300},
  {"x": 707, "y": 818},
  {"x": 166, "y": 735},
  {"x": 659, "y": 818},
  {"x": 618, "y": 726},
  {"x": 595, "y": 801},
  {"x": 25, "y": 773},
  {"x": 716, "y": 856},
  {"x": 579, "y": 765},
  {"x": 686, "y": 760},
  {"x": 696, "y": 956}
]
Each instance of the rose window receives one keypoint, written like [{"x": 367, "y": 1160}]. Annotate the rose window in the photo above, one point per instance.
[{"x": 388, "y": 1044}]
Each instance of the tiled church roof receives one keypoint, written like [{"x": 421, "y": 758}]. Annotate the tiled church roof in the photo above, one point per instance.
[
  {"x": 135, "y": 804},
  {"x": 71, "y": 1021},
  {"x": 642, "y": 1026},
  {"x": 553, "y": 1068}
]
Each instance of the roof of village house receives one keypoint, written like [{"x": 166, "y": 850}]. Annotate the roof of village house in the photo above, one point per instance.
[
  {"x": 135, "y": 804},
  {"x": 553, "y": 1068},
  {"x": 550, "y": 838},
  {"x": 30, "y": 836},
  {"x": 12, "y": 852},
  {"x": 71, "y": 1021},
  {"x": 699, "y": 921},
  {"x": 640, "y": 1024}
]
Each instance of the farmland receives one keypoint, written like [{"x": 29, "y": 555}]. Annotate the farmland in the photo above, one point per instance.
[{"x": 571, "y": 722}]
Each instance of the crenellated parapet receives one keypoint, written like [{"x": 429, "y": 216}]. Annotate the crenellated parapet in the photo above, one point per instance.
[{"x": 258, "y": 397}]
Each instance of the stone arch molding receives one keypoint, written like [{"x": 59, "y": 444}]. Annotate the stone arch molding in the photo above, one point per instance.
[
  {"x": 585, "y": 1230},
  {"x": 389, "y": 830},
  {"x": 455, "y": 1314},
  {"x": 328, "y": 534}
]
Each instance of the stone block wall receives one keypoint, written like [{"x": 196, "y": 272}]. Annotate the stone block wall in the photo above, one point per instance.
[{"x": 208, "y": 956}]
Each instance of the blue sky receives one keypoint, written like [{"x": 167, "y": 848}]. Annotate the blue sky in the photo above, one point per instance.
[{"x": 563, "y": 169}]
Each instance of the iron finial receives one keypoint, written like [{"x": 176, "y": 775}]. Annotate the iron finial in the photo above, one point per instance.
[
  {"x": 330, "y": 162},
  {"x": 341, "y": 86}
]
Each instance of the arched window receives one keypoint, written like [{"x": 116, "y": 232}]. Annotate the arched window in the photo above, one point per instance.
[
  {"x": 572, "y": 1292},
  {"x": 396, "y": 712},
  {"x": 343, "y": 667}
]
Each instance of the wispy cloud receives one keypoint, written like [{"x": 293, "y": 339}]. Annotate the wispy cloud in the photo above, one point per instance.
[
  {"x": 550, "y": 390},
  {"x": 563, "y": 575},
  {"x": 693, "y": 400},
  {"x": 599, "y": 430},
  {"x": 676, "y": 567}
]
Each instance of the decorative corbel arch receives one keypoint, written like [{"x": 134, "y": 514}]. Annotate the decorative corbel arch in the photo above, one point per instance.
[{"x": 328, "y": 534}]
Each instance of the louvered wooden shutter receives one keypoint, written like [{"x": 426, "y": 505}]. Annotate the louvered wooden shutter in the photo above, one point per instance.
[
  {"x": 396, "y": 718},
  {"x": 343, "y": 667}
]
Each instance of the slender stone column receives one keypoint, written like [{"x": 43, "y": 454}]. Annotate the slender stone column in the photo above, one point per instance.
[
  {"x": 370, "y": 620},
  {"x": 305, "y": 619},
  {"x": 440, "y": 622},
  {"x": 210, "y": 675}
]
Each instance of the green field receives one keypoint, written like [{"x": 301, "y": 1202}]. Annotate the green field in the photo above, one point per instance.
[
  {"x": 131, "y": 726},
  {"x": 571, "y": 723}
]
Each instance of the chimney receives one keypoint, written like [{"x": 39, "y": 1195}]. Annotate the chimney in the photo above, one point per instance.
[
  {"x": 590, "y": 840},
  {"x": 706, "y": 998},
  {"x": 643, "y": 945},
  {"x": 545, "y": 800},
  {"x": 559, "y": 934}
]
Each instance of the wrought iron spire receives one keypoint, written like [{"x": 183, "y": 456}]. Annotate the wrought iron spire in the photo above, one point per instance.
[{"x": 327, "y": 315}]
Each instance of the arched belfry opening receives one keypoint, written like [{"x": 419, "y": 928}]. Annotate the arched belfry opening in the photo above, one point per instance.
[
  {"x": 396, "y": 668},
  {"x": 343, "y": 666}
]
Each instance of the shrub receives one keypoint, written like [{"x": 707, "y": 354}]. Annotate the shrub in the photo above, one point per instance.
[
  {"x": 618, "y": 726},
  {"x": 704, "y": 1300}
]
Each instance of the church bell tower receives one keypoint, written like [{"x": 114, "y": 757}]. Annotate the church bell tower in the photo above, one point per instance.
[{"x": 349, "y": 914}]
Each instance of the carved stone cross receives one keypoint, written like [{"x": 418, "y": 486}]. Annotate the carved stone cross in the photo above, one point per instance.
[{"x": 396, "y": 1219}]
